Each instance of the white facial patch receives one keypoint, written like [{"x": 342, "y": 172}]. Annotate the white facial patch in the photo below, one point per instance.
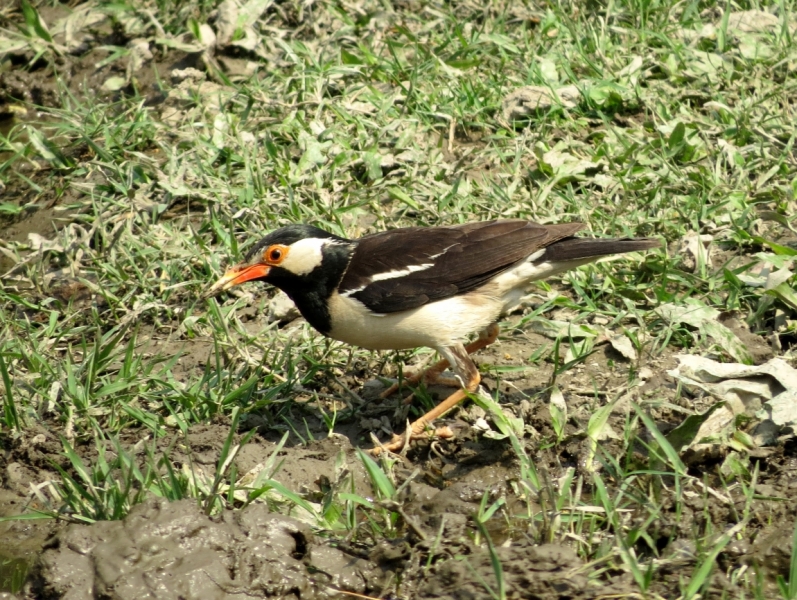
[{"x": 304, "y": 256}]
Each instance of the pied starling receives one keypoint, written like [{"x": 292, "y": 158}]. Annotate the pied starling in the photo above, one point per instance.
[{"x": 418, "y": 286}]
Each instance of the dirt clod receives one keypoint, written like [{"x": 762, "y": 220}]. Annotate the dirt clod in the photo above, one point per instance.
[
  {"x": 538, "y": 572},
  {"x": 172, "y": 550}
]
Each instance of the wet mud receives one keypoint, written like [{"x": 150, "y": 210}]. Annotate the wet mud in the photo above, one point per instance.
[
  {"x": 175, "y": 550},
  {"x": 168, "y": 549}
]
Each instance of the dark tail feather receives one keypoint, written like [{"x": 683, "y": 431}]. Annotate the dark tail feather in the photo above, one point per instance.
[{"x": 579, "y": 248}]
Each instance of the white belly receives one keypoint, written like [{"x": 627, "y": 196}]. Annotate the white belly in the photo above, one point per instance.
[
  {"x": 443, "y": 323},
  {"x": 436, "y": 325}
]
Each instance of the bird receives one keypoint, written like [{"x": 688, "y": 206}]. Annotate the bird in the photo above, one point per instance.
[{"x": 410, "y": 287}]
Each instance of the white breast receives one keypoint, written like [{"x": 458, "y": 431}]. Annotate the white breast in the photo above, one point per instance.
[
  {"x": 435, "y": 325},
  {"x": 445, "y": 322}
]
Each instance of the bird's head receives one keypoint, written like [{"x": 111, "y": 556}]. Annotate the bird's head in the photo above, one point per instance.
[{"x": 288, "y": 253}]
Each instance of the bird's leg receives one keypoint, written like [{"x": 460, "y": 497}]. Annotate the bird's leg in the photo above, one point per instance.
[
  {"x": 469, "y": 379},
  {"x": 432, "y": 374}
]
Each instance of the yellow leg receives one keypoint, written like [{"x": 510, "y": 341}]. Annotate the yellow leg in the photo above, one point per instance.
[
  {"x": 467, "y": 373},
  {"x": 431, "y": 375}
]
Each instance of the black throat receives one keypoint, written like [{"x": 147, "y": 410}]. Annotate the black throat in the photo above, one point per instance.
[{"x": 311, "y": 292}]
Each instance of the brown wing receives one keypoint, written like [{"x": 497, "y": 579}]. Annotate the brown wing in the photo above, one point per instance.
[{"x": 406, "y": 268}]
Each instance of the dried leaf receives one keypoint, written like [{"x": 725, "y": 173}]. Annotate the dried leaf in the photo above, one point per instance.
[
  {"x": 768, "y": 391},
  {"x": 562, "y": 329},
  {"x": 696, "y": 314},
  {"x": 696, "y": 251},
  {"x": 624, "y": 346},
  {"x": 565, "y": 166}
]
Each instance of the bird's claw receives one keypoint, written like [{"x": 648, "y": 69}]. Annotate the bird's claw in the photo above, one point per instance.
[{"x": 400, "y": 443}]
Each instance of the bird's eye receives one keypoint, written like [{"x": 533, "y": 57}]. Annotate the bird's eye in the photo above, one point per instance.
[{"x": 274, "y": 254}]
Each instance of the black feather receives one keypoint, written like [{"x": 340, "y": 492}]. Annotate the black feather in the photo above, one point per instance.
[
  {"x": 426, "y": 264},
  {"x": 579, "y": 248},
  {"x": 288, "y": 235},
  {"x": 461, "y": 259}
]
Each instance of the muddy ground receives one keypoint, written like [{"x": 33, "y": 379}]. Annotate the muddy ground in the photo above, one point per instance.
[
  {"x": 174, "y": 550},
  {"x": 164, "y": 550}
]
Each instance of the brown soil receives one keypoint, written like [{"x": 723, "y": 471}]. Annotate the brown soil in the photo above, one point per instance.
[
  {"x": 262, "y": 555},
  {"x": 174, "y": 550},
  {"x": 269, "y": 555}
]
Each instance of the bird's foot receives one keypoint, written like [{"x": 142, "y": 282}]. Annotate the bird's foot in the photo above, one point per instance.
[
  {"x": 433, "y": 375},
  {"x": 400, "y": 442},
  {"x": 441, "y": 380},
  {"x": 428, "y": 376},
  {"x": 467, "y": 374},
  {"x": 421, "y": 428}
]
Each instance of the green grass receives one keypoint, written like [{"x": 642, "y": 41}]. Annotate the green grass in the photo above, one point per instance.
[{"x": 360, "y": 119}]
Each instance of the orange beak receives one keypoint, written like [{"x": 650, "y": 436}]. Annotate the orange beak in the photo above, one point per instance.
[{"x": 235, "y": 276}]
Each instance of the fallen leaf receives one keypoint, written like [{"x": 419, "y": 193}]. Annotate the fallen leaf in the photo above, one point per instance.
[
  {"x": 696, "y": 251},
  {"x": 706, "y": 319},
  {"x": 624, "y": 346},
  {"x": 768, "y": 392},
  {"x": 532, "y": 99}
]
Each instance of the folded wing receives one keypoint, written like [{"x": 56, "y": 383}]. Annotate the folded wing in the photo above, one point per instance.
[{"x": 406, "y": 268}]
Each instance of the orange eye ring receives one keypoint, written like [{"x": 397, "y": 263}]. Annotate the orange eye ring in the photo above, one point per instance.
[{"x": 275, "y": 254}]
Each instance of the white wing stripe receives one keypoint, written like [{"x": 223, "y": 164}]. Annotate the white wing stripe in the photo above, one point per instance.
[
  {"x": 439, "y": 254},
  {"x": 348, "y": 293},
  {"x": 389, "y": 275},
  {"x": 401, "y": 272}
]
